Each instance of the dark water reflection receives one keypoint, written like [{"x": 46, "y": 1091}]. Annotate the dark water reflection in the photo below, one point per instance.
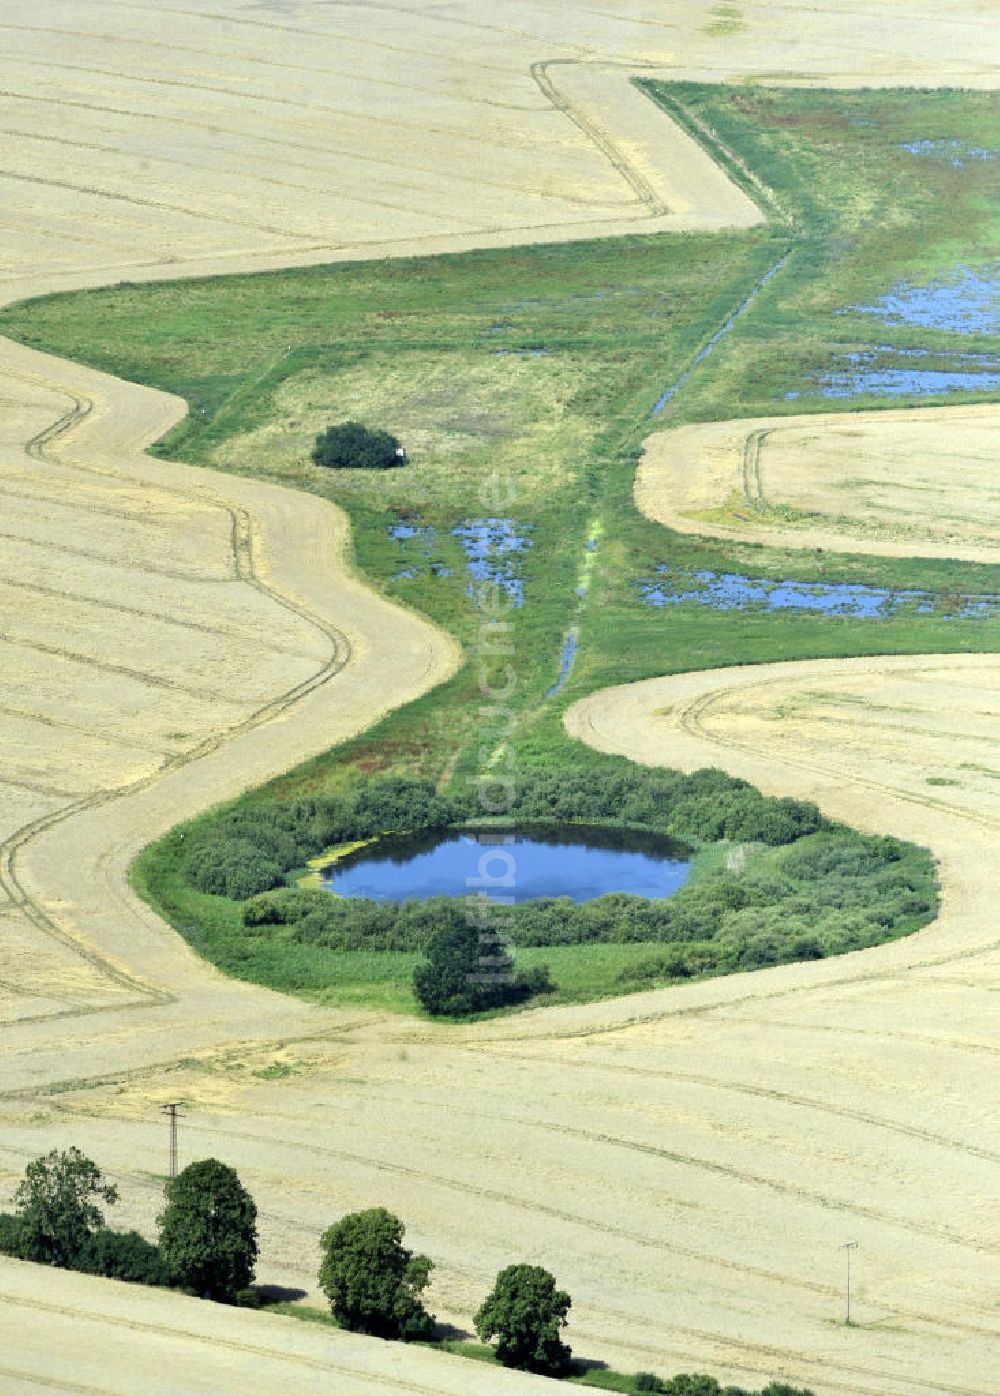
[{"x": 579, "y": 862}]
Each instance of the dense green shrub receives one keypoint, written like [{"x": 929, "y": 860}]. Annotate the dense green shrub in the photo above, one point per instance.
[
  {"x": 285, "y": 906},
  {"x": 11, "y": 1236},
  {"x": 372, "y": 1281},
  {"x": 842, "y": 853},
  {"x": 60, "y": 1223},
  {"x": 350, "y": 445},
  {"x": 123, "y": 1255},
  {"x": 697, "y": 1384},
  {"x": 526, "y": 1314},
  {"x": 232, "y": 868},
  {"x": 681, "y": 962}
]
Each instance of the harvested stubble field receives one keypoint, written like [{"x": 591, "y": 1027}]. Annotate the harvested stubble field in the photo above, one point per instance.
[
  {"x": 878, "y": 482},
  {"x": 688, "y": 1160}
]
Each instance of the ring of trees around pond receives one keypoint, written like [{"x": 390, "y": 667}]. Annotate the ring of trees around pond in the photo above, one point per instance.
[{"x": 772, "y": 881}]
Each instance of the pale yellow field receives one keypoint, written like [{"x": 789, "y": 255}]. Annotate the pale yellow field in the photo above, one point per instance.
[
  {"x": 79, "y": 1334},
  {"x": 687, "y": 1162},
  {"x": 149, "y": 140},
  {"x": 910, "y": 484}
]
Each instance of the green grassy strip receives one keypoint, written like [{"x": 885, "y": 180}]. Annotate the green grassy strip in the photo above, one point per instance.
[
  {"x": 594, "y": 1376},
  {"x": 265, "y": 361}
]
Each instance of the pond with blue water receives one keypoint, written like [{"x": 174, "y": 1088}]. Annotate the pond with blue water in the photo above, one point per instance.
[{"x": 578, "y": 862}]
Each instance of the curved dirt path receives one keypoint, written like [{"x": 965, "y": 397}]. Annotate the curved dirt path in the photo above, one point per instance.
[{"x": 651, "y": 1143}]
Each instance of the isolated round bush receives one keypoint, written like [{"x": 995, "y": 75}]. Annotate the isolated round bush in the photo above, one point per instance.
[
  {"x": 372, "y": 1281},
  {"x": 208, "y": 1231},
  {"x": 526, "y": 1313},
  {"x": 452, "y": 981},
  {"x": 352, "y": 446}
]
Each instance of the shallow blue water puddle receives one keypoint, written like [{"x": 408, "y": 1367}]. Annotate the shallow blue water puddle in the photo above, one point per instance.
[
  {"x": 877, "y": 372},
  {"x": 490, "y": 546},
  {"x": 566, "y": 658},
  {"x": 416, "y": 543},
  {"x": 728, "y": 591},
  {"x": 956, "y": 153},
  {"x": 403, "y": 531},
  {"x": 965, "y": 302}
]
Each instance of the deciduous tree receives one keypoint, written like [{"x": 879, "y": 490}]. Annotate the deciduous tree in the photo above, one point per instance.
[
  {"x": 372, "y": 1281},
  {"x": 526, "y": 1313},
  {"x": 57, "y": 1202},
  {"x": 208, "y": 1231}
]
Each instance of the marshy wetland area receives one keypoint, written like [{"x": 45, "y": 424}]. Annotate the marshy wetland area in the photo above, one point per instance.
[{"x": 690, "y": 333}]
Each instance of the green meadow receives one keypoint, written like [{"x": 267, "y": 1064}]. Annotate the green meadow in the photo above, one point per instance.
[{"x": 541, "y": 367}]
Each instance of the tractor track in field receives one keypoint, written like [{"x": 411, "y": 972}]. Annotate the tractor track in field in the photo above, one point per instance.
[
  {"x": 791, "y": 1098},
  {"x": 217, "y": 1341},
  {"x": 692, "y": 719},
  {"x": 244, "y": 569}
]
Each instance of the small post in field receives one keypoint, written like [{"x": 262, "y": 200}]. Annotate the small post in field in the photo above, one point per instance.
[{"x": 848, "y": 1247}]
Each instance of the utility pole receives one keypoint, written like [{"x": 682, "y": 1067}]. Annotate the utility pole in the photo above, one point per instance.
[
  {"x": 847, "y": 1247},
  {"x": 171, "y": 1112}
]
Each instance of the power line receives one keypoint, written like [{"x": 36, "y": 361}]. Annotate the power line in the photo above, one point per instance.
[{"x": 171, "y": 1112}]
